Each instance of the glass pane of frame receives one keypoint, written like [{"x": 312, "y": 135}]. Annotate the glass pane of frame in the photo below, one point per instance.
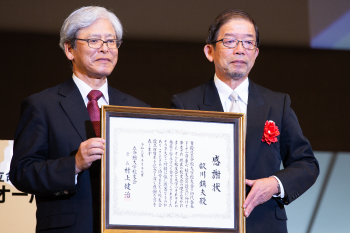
[{"x": 172, "y": 170}]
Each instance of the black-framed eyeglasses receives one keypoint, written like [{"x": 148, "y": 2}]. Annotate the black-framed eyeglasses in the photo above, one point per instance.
[
  {"x": 232, "y": 43},
  {"x": 98, "y": 43}
]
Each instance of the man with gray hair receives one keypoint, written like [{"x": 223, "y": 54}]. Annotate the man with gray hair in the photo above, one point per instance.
[{"x": 57, "y": 144}]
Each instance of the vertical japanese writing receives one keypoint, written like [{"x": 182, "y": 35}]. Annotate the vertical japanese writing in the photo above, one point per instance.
[
  {"x": 154, "y": 172},
  {"x": 149, "y": 147},
  {"x": 202, "y": 184},
  {"x": 134, "y": 165},
  {"x": 142, "y": 158},
  {"x": 170, "y": 173},
  {"x": 186, "y": 175},
  {"x": 160, "y": 174},
  {"x": 176, "y": 174},
  {"x": 127, "y": 185},
  {"x": 216, "y": 174},
  {"x": 192, "y": 174},
  {"x": 165, "y": 173},
  {"x": 181, "y": 175}
]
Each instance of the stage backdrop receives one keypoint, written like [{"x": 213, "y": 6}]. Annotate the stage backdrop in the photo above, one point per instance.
[{"x": 17, "y": 209}]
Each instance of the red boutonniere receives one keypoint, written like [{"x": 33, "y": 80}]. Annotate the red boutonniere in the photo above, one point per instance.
[{"x": 270, "y": 132}]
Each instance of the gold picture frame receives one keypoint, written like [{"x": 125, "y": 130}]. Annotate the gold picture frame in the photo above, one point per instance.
[{"x": 197, "y": 159}]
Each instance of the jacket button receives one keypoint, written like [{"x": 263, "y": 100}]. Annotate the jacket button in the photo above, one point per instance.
[{"x": 65, "y": 192}]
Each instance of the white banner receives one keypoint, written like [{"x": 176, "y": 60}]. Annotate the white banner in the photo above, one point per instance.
[{"x": 17, "y": 209}]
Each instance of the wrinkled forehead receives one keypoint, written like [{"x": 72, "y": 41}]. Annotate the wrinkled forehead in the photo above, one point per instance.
[
  {"x": 99, "y": 28},
  {"x": 237, "y": 26}
]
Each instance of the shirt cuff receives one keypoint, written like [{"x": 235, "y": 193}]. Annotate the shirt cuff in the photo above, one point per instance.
[
  {"x": 76, "y": 178},
  {"x": 281, "y": 195}
]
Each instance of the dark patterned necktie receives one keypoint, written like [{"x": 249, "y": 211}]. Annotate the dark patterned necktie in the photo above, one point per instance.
[{"x": 94, "y": 110}]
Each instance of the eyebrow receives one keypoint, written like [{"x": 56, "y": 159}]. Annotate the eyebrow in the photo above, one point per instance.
[
  {"x": 233, "y": 35},
  {"x": 99, "y": 35}
]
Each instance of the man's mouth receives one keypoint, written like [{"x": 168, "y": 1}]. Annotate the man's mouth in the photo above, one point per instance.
[
  {"x": 239, "y": 62},
  {"x": 104, "y": 59}
]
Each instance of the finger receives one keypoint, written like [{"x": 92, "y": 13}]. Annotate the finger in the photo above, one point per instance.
[
  {"x": 95, "y": 144},
  {"x": 100, "y": 140},
  {"x": 87, "y": 150},
  {"x": 92, "y": 146},
  {"x": 248, "y": 210},
  {"x": 95, "y": 151},
  {"x": 249, "y": 198},
  {"x": 250, "y": 195},
  {"x": 250, "y": 203},
  {"x": 249, "y": 182},
  {"x": 252, "y": 198},
  {"x": 95, "y": 157}
]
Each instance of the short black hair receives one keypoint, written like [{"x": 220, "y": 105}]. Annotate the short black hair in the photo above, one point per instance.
[{"x": 226, "y": 16}]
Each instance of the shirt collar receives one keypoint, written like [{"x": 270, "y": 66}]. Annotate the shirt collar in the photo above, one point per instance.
[
  {"x": 85, "y": 88},
  {"x": 225, "y": 91}
]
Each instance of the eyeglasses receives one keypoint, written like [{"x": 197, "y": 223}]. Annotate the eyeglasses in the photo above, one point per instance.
[
  {"x": 233, "y": 43},
  {"x": 98, "y": 43}
]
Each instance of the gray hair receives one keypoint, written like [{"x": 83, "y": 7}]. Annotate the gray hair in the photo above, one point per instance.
[{"x": 84, "y": 17}]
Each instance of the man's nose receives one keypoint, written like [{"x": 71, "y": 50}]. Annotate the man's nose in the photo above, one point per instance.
[
  {"x": 239, "y": 49},
  {"x": 104, "y": 47}
]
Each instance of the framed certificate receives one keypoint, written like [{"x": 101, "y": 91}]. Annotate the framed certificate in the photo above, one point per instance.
[{"x": 167, "y": 170}]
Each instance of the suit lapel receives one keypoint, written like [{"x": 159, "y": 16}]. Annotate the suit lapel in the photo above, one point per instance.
[
  {"x": 73, "y": 105},
  {"x": 116, "y": 97},
  {"x": 211, "y": 99},
  {"x": 257, "y": 113}
]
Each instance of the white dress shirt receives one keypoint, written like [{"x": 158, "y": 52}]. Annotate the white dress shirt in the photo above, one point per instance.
[
  {"x": 242, "y": 91},
  {"x": 84, "y": 90},
  {"x": 225, "y": 92}
]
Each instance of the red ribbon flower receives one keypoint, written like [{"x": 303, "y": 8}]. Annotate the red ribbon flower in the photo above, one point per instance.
[{"x": 270, "y": 132}]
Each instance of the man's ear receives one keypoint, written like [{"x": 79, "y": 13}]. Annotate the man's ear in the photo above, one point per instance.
[
  {"x": 256, "y": 52},
  {"x": 208, "y": 51},
  {"x": 69, "y": 51}
]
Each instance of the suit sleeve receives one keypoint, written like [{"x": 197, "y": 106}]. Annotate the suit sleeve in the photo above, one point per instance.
[
  {"x": 32, "y": 169},
  {"x": 300, "y": 166}
]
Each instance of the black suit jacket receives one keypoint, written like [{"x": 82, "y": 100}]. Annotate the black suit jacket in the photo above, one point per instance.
[
  {"x": 262, "y": 160},
  {"x": 52, "y": 125}
]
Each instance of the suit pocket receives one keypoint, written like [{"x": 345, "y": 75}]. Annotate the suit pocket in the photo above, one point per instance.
[
  {"x": 281, "y": 213},
  {"x": 54, "y": 213}
]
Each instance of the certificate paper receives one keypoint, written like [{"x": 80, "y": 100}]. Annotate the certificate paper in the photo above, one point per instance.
[{"x": 170, "y": 173}]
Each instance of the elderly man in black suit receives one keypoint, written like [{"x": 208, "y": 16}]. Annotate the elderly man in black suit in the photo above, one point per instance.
[
  {"x": 273, "y": 133},
  {"x": 57, "y": 146}
]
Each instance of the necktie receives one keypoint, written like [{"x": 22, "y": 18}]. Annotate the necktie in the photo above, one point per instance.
[
  {"x": 94, "y": 110},
  {"x": 234, "y": 102}
]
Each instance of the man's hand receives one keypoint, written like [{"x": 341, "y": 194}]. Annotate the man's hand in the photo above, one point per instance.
[
  {"x": 89, "y": 151},
  {"x": 262, "y": 190}
]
